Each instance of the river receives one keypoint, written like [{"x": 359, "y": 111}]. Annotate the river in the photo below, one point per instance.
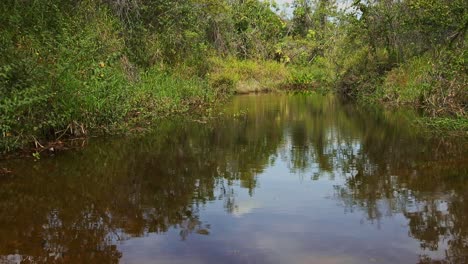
[{"x": 273, "y": 179}]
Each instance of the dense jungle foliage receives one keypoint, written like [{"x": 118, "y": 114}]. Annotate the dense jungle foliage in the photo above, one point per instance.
[{"x": 72, "y": 67}]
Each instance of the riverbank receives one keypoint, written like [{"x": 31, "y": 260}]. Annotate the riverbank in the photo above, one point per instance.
[
  {"x": 103, "y": 102},
  {"x": 71, "y": 69},
  {"x": 435, "y": 86},
  {"x": 107, "y": 99},
  {"x": 133, "y": 107}
]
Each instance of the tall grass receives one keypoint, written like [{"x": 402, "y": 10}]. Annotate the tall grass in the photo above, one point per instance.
[
  {"x": 247, "y": 76},
  {"x": 436, "y": 85}
]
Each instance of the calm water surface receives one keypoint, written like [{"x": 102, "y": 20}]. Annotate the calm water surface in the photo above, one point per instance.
[{"x": 277, "y": 179}]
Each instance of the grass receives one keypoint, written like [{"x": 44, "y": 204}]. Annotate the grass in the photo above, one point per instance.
[
  {"x": 253, "y": 76},
  {"x": 434, "y": 84},
  {"x": 407, "y": 84},
  {"x": 313, "y": 77},
  {"x": 444, "y": 124},
  {"x": 247, "y": 76}
]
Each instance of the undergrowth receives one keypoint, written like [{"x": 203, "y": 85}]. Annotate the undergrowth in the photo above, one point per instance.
[{"x": 68, "y": 75}]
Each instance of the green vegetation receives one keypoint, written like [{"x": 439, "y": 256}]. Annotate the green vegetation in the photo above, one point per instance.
[
  {"x": 399, "y": 53},
  {"x": 68, "y": 67},
  {"x": 247, "y": 76},
  {"x": 405, "y": 53}
]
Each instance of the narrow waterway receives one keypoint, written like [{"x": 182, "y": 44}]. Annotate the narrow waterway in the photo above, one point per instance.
[{"x": 275, "y": 179}]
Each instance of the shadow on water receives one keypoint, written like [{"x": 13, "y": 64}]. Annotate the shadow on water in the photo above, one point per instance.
[{"x": 179, "y": 182}]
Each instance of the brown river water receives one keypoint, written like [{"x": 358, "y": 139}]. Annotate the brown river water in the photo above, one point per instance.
[{"x": 275, "y": 179}]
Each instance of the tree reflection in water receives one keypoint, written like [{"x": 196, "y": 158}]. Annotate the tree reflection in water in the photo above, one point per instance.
[{"x": 76, "y": 207}]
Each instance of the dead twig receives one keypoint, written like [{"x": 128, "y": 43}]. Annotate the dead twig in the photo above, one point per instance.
[{"x": 37, "y": 143}]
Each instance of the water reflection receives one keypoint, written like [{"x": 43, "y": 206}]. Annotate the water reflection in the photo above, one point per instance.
[{"x": 305, "y": 174}]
